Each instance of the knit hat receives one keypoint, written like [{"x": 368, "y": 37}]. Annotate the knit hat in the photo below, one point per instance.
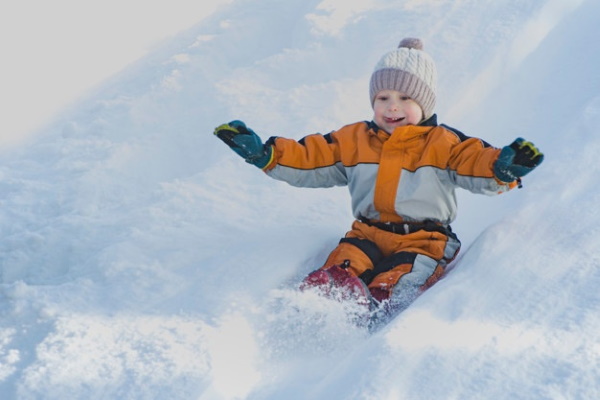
[{"x": 409, "y": 70}]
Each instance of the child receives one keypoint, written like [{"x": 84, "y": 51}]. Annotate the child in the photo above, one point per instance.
[{"x": 402, "y": 169}]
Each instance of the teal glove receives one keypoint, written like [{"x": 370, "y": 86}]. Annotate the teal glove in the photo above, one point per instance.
[
  {"x": 517, "y": 160},
  {"x": 245, "y": 142}
]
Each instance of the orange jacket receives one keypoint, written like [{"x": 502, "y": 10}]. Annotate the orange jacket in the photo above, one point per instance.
[{"x": 410, "y": 175}]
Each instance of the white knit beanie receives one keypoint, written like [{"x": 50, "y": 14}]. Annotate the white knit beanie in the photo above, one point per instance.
[{"x": 409, "y": 70}]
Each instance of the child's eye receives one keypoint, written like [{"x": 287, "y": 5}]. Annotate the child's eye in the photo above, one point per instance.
[
  {"x": 405, "y": 98},
  {"x": 383, "y": 98}
]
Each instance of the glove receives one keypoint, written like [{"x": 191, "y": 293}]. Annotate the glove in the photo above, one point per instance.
[
  {"x": 517, "y": 160},
  {"x": 245, "y": 142}
]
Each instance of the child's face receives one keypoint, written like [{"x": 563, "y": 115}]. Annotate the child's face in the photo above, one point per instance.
[{"x": 393, "y": 109}]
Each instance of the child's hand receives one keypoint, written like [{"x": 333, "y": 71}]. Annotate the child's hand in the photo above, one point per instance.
[
  {"x": 517, "y": 160},
  {"x": 245, "y": 142}
]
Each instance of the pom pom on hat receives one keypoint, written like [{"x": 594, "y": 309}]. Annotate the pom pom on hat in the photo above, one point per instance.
[
  {"x": 411, "y": 43},
  {"x": 409, "y": 70}
]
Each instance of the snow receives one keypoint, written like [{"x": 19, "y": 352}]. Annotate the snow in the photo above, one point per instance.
[
  {"x": 52, "y": 52},
  {"x": 142, "y": 259}
]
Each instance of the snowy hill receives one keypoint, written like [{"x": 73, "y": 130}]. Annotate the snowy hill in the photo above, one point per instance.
[{"x": 141, "y": 259}]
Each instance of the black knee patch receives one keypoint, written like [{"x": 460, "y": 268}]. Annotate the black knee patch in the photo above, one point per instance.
[
  {"x": 388, "y": 264},
  {"x": 370, "y": 249}
]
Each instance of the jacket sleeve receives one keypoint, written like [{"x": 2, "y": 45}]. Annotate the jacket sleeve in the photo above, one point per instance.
[
  {"x": 471, "y": 165},
  {"x": 313, "y": 161}
]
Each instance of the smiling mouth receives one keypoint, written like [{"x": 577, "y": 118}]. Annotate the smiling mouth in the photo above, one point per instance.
[{"x": 394, "y": 120}]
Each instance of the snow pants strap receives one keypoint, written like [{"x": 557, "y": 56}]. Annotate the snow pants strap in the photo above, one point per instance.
[{"x": 407, "y": 228}]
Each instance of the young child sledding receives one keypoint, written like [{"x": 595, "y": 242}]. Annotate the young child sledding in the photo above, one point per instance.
[{"x": 402, "y": 170}]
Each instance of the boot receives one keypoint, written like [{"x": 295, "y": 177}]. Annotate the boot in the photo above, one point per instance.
[{"x": 337, "y": 283}]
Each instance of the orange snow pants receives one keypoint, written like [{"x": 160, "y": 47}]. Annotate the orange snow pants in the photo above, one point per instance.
[{"x": 388, "y": 261}]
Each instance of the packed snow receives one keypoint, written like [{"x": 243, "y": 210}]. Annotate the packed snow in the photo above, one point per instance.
[{"x": 142, "y": 259}]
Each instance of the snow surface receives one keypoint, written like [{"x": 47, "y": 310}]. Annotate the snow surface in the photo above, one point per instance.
[{"x": 142, "y": 259}]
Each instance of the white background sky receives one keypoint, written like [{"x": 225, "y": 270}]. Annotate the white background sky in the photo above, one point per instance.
[{"x": 53, "y": 51}]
